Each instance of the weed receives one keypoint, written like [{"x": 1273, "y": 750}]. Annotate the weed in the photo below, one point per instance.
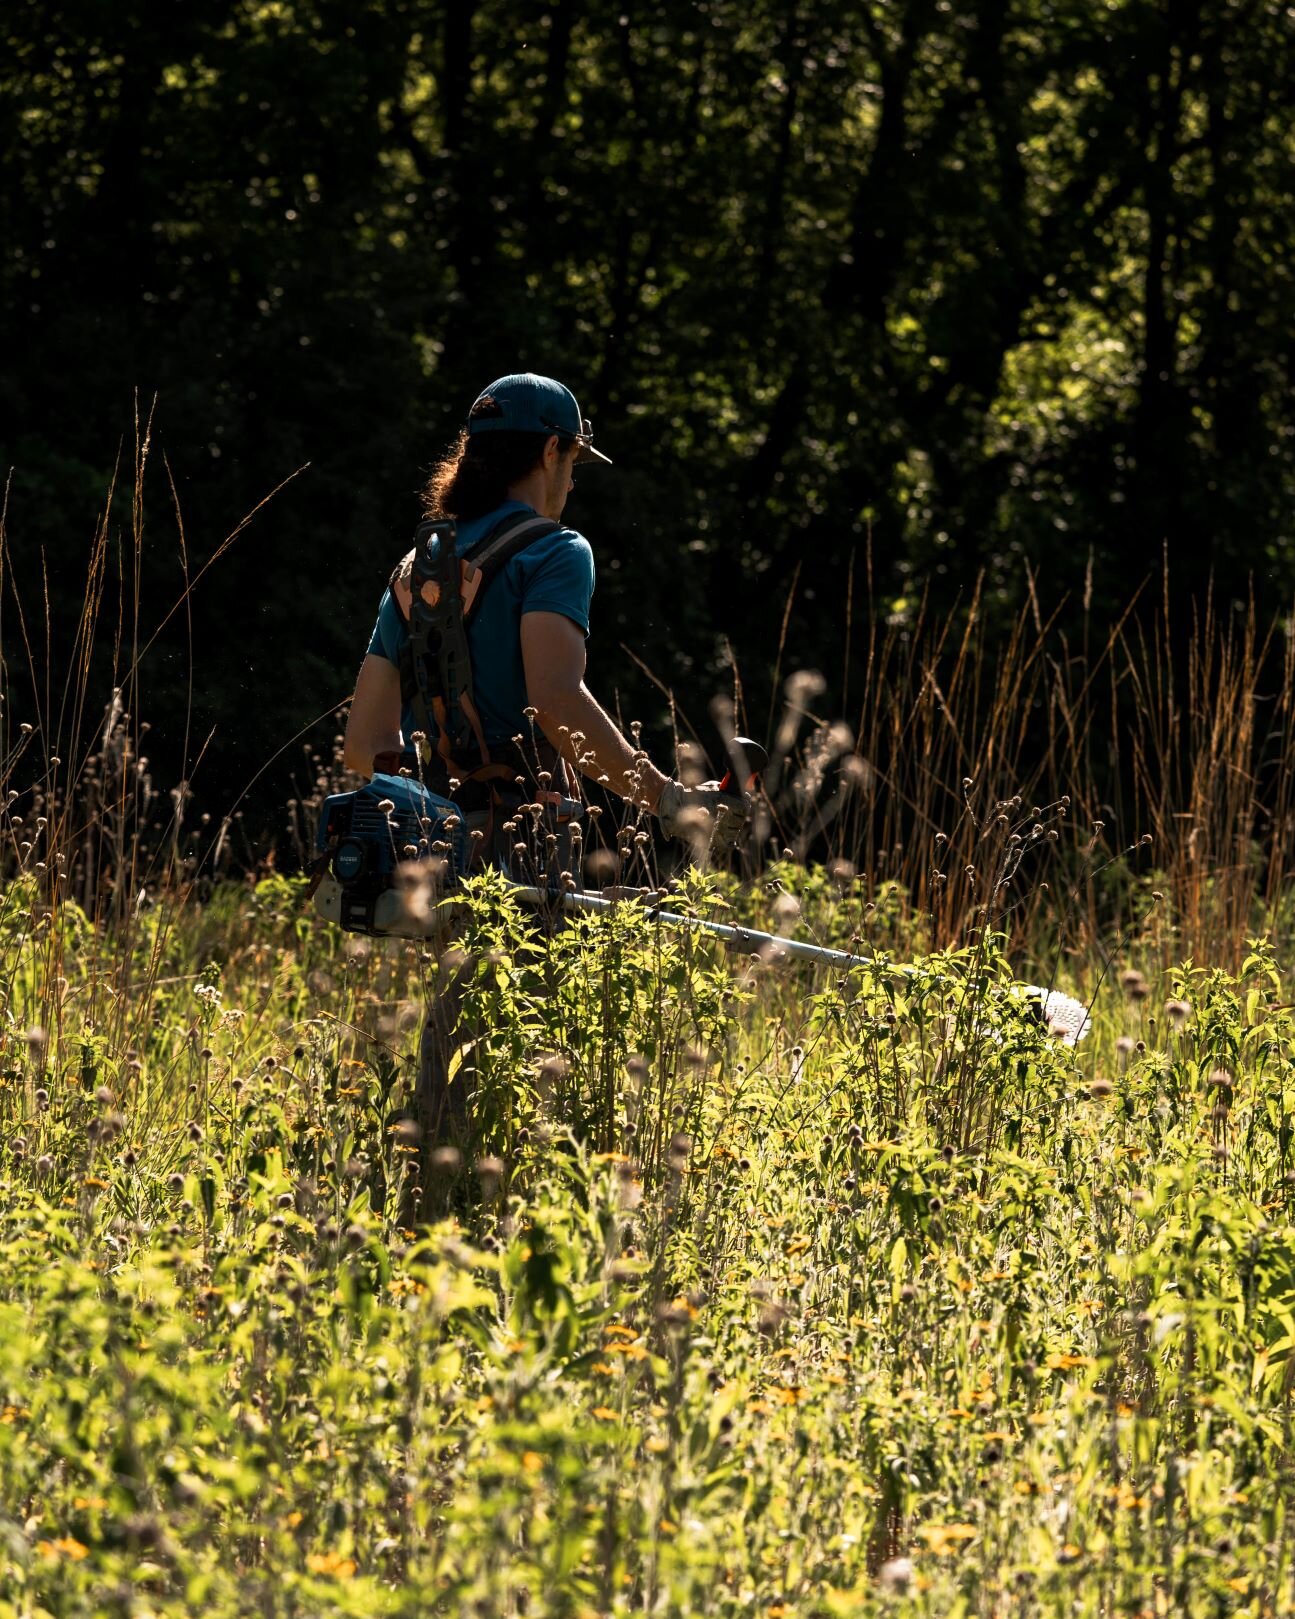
[{"x": 741, "y": 1286}]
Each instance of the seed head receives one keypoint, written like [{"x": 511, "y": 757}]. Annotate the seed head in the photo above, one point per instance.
[
  {"x": 490, "y": 1171},
  {"x": 771, "y": 1317},
  {"x": 896, "y": 1575},
  {"x": 446, "y": 1160}
]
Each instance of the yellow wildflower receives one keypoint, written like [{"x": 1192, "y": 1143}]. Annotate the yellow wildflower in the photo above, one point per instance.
[
  {"x": 945, "y": 1537},
  {"x": 330, "y": 1563},
  {"x": 63, "y": 1547}
]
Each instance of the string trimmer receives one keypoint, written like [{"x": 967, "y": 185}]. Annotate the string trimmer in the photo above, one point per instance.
[{"x": 370, "y": 839}]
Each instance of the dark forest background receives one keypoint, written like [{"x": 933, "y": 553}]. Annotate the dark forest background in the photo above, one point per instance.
[{"x": 907, "y": 293}]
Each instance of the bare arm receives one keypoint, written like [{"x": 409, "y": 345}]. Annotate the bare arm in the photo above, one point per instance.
[
  {"x": 373, "y": 725},
  {"x": 553, "y": 655}
]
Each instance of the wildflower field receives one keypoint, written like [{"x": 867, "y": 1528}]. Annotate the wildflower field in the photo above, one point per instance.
[
  {"x": 745, "y": 1285},
  {"x": 753, "y": 1288}
]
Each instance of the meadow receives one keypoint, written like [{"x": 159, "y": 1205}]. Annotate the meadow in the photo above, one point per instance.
[{"x": 749, "y": 1287}]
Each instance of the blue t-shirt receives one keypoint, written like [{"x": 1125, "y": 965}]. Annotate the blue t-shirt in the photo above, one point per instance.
[{"x": 551, "y": 575}]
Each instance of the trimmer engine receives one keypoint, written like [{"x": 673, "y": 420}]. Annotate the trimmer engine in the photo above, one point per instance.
[{"x": 379, "y": 847}]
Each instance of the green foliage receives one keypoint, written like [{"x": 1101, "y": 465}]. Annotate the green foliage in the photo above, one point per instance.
[{"x": 752, "y": 1292}]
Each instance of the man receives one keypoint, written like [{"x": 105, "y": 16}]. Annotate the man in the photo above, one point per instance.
[
  {"x": 526, "y": 641},
  {"x": 523, "y": 440}
]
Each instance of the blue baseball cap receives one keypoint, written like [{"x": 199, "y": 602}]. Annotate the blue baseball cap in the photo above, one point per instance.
[{"x": 527, "y": 403}]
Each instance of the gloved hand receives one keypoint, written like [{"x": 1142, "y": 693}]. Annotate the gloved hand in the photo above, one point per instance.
[{"x": 697, "y": 813}]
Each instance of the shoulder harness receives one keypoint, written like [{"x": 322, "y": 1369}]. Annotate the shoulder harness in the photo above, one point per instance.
[{"x": 436, "y": 671}]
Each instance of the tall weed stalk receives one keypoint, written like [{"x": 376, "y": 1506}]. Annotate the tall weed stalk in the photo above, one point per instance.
[{"x": 1173, "y": 751}]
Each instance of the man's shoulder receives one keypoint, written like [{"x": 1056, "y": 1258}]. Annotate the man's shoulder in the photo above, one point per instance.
[
  {"x": 565, "y": 552},
  {"x": 391, "y": 631},
  {"x": 478, "y": 529},
  {"x": 559, "y": 540},
  {"x": 565, "y": 535}
]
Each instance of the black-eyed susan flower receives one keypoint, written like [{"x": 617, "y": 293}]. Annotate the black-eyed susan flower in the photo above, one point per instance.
[
  {"x": 331, "y": 1564},
  {"x": 64, "y": 1546},
  {"x": 943, "y": 1538}
]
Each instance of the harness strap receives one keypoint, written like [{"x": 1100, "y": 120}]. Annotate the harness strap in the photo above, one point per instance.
[
  {"x": 505, "y": 541},
  {"x": 445, "y": 590}
]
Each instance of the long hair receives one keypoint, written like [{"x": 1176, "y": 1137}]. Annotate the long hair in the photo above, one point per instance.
[{"x": 475, "y": 475}]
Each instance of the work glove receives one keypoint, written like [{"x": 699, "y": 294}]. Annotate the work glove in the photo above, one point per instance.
[{"x": 702, "y": 814}]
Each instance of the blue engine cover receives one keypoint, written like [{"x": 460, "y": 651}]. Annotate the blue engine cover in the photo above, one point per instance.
[{"x": 368, "y": 840}]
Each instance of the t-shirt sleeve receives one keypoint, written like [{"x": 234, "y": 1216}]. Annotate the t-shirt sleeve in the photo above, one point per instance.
[
  {"x": 558, "y": 577},
  {"x": 390, "y": 632}
]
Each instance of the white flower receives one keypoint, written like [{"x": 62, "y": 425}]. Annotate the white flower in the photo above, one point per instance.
[{"x": 896, "y": 1574}]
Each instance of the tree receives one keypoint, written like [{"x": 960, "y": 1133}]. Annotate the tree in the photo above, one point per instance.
[{"x": 1004, "y": 283}]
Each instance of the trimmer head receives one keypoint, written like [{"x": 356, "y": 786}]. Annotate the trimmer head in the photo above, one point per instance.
[{"x": 1065, "y": 1018}]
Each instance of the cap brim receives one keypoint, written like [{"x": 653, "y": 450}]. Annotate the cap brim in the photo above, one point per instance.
[{"x": 587, "y": 454}]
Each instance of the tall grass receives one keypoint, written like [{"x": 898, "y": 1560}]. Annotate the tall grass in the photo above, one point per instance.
[
  {"x": 1165, "y": 756},
  {"x": 740, "y": 1288},
  {"x": 1156, "y": 750}
]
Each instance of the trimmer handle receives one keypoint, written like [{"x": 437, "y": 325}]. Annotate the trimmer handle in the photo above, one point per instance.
[{"x": 744, "y": 755}]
